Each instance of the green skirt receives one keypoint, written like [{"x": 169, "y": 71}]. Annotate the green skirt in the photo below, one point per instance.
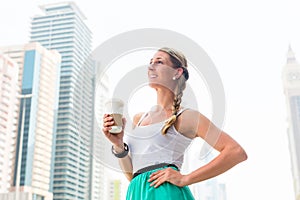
[{"x": 140, "y": 189}]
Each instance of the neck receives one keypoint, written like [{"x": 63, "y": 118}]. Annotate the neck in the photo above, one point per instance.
[{"x": 165, "y": 99}]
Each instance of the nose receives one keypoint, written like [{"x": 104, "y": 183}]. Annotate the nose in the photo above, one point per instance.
[{"x": 151, "y": 66}]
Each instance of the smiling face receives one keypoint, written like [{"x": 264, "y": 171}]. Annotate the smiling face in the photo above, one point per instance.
[{"x": 161, "y": 71}]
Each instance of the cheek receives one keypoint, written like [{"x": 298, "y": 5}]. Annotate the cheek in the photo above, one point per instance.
[
  {"x": 167, "y": 81},
  {"x": 168, "y": 72}
]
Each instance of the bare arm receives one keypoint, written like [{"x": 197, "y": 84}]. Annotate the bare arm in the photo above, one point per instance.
[
  {"x": 231, "y": 153},
  {"x": 125, "y": 163},
  {"x": 194, "y": 124},
  {"x": 118, "y": 145}
]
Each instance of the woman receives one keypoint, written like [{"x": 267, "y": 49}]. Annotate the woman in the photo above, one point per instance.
[{"x": 161, "y": 136}]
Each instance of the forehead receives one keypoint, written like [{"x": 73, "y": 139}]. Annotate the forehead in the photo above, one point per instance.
[{"x": 161, "y": 55}]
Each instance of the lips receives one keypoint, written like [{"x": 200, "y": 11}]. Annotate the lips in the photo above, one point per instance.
[{"x": 152, "y": 75}]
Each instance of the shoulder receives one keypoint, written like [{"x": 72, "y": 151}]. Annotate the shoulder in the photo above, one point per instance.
[
  {"x": 188, "y": 114},
  {"x": 190, "y": 121}
]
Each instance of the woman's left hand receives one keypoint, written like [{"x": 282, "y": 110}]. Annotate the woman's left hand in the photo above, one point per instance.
[{"x": 167, "y": 175}]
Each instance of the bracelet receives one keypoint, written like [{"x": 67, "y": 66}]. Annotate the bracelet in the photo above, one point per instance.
[{"x": 123, "y": 153}]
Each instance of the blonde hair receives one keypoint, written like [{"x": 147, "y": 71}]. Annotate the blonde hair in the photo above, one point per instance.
[{"x": 179, "y": 61}]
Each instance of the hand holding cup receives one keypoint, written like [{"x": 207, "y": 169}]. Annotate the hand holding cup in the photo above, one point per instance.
[
  {"x": 114, "y": 107},
  {"x": 113, "y": 122}
]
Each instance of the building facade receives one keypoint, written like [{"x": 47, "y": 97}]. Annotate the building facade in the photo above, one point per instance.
[
  {"x": 62, "y": 27},
  {"x": 291, "y": 85},
  {"x": 100, "y": 143},
  {"x": 114, "y": 190},
  {"x": 9, "y": 107},
  {"x": 38, "y": 80}
]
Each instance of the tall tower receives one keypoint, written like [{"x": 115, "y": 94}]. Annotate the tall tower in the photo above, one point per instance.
[
  {"x": 9, "y": 107},
  {"x": 291, "y": 84},
  {"x": 114, "y": 190},
  {"x": 62, "y": 27},
  {"x": 38, "y": 78},
  {"x": 98, "y": 179}
]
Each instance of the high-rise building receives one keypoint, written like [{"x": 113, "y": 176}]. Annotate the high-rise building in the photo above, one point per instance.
[
  {"x": 105, "y": 165},
  {"x": 9, "y": 106},
  {"x": 98, "y": 179},
  {"x": 114, "y": 190},
  {"x": 38, "y": 78},
  {"x": 291, "y": 85},
  {"x": 61, "y": 26}
]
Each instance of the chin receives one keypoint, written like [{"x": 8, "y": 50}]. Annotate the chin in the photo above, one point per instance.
[{"x": 152, "y": 85}]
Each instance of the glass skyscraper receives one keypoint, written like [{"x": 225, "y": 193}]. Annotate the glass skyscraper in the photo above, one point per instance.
[
  {"x": 62, "y": 27},
  {"x": 291, "y": 83}
]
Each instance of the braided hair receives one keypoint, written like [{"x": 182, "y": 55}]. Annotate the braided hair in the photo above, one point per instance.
[{"x": 179, "y": 61}]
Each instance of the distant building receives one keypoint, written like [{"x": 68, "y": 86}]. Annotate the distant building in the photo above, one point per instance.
[
  {"x": 114, "y": 190},
  {"x": 62, "y": 27},
  {"x": 100, "y": 144},
  {"x": 38, "y": 80},
  {"x": 291, "y": 85},
  {"x": 9, "y": 107}
]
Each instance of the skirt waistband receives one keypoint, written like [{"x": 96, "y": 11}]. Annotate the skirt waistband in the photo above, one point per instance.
[{"x": 152, "y": 167}]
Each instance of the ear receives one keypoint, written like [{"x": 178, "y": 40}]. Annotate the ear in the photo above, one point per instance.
[{"x": 179, "y": 72}]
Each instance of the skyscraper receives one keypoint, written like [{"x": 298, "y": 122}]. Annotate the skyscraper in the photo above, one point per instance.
[
  {"x": 9, "y": 103},
  {"x": 98, "y": 179},
  {"x": 62, "y": 27},
  {"x": 114, "y": 190},
  {"x": 291, "y": 84},
  {"x": 38, "y": 78}
]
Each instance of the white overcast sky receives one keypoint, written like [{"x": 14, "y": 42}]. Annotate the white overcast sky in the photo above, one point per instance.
[{"x": 247, "y": 41}]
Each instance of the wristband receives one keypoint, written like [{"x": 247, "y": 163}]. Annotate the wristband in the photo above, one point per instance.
[{"x": 123, "y": 153}]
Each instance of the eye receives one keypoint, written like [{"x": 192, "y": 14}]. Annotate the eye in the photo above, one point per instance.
[{"x": 156, "y": 62}]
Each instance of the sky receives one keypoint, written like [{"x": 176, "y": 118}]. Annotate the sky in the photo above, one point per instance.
[{"x": 248, "y": 43}]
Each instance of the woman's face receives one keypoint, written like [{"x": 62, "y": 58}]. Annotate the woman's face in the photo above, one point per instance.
[{"x": 161, "y": 71}]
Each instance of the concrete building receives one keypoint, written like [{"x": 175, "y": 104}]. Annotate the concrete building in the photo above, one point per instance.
[
  {"x": 114, "y": 190},
  {"x": 100, "y": 144},
  {"x": 38, "y": 80},
  {"x": 291, "y": 85},
  {"x": 9, "y": 107}
]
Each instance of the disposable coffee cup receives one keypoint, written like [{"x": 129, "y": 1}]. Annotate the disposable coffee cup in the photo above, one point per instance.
[{"x": 114, "y": 107}]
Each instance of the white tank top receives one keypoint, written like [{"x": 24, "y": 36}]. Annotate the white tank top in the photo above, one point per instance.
[{"x": 148, "y": 146}]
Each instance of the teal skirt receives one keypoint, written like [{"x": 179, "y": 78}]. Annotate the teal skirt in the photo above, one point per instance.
[{"x": 140, "y": 189}]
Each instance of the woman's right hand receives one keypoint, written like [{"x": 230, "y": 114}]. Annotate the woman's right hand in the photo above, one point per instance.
[{"x": 115, "y": 139}]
